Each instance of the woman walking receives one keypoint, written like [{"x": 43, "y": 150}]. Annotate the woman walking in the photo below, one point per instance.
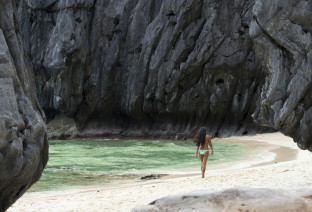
[{"x": 202, "y": 141}]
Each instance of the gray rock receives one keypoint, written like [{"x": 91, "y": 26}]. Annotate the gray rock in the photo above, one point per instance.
[
  {"x": 281, "y": 35},
  {"x": 23, "y": 139},
  {"x": 161, "y": 68},
  {"x": 62, "y": 127},
  {"x": 260, "y": 200},
  {"x": 138, "y": 68}
]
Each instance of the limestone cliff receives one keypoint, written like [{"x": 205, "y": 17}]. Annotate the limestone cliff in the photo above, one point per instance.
[
  {"x": 145, "y": 67},
  {"x": 281, "y": 33},
  {"x": 23, "y": 138},
  {"x": 162, "y": 68}
]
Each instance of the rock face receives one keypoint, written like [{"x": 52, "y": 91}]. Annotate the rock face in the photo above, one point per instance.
[
  {"x": 145, "y": 67},
  {"x": 23, "y": 139},
  {"x": 281, "y": 33},
  {"x": 260, "y": 200},
  {"x": 166, "y": 68}
]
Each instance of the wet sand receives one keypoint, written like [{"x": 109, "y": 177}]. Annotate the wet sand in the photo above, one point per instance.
[{"x": 290, "y": 168}]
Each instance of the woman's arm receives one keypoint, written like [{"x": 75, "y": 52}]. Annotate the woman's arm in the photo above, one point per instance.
[
  {"x": 197, "y": 151},
  {"x": 210, "y": 144}
]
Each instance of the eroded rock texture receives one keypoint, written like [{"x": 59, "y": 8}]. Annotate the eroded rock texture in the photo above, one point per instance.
[
  {"x": 230, "y": 200},
  {"x": 281, "y": 33},
  {"x": 165, "y": 68},
  {"x": 145, "y": 67},
  {"x": 23, "y": 139}
]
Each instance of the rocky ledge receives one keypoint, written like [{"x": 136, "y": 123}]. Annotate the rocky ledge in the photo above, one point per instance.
[{"x": 259, "y": 199}]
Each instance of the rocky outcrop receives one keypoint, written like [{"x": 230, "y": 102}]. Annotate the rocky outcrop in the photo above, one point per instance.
[
  {"x": 165, "y": 68},
  {"x": 281, "y": 33},
  {"x": 62, "y": 127},
  {"x": 260, "y": 200},
  {"x": 23, "y": 139}
]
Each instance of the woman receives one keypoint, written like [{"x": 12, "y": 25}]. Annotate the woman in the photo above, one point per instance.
[{"x": 202, "y": 141}]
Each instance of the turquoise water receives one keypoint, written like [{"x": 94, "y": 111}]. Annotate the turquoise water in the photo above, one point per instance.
[{"x": 92, "y": 162}]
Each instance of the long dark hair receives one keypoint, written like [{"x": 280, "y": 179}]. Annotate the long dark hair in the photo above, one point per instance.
[{"x": 201, "y": 136}]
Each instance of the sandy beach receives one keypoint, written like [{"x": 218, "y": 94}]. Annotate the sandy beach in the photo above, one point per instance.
[{"x": 289, "y": 168}]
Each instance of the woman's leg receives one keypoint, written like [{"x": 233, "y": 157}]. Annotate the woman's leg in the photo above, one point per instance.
[
  {"x": 201, "y": 159},
  {"x": 204, "y": 162}
]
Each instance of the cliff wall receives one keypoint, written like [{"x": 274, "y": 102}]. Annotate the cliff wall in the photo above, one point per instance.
[
  {"x": 23, "y": 137},
  {"x": 165, "y": 68},
  {"x": 145, "y": 67},
  {"x": 281, "y": 33}
]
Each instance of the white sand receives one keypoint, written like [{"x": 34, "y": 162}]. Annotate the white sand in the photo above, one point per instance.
[{"x": 294, "y": 173}]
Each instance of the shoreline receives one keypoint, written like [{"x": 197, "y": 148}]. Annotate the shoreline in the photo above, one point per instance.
[
  {"x": 280, "y": 154},
  {"x": 289, "y": 168}
]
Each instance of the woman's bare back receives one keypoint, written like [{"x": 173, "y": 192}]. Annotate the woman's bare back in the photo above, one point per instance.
[{"x": 207, "y": 141}]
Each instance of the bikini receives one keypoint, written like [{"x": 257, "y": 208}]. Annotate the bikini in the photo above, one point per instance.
[{"x": 202, "y": 152}]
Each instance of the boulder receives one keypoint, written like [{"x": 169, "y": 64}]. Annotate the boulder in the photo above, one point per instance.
[{"x": 258, "y": 199}]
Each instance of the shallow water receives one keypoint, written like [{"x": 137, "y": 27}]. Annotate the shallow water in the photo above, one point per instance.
[{"x": 92, "y": 162}]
